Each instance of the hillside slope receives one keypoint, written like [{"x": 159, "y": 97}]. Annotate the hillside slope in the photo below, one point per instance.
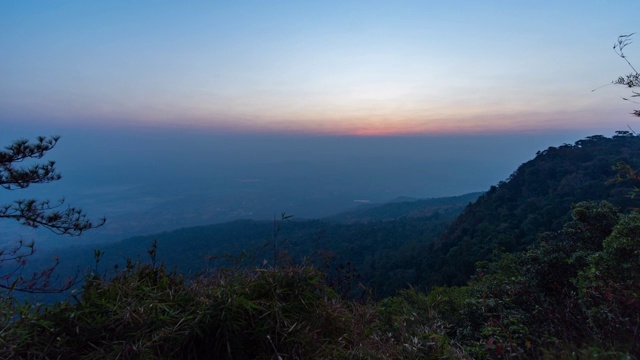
[
  {"x": 537, "y": 197},
  {"x": 379, "y": 242}
]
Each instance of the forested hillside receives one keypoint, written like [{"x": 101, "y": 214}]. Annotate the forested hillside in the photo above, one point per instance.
[
  {"x": 376, "y": 243},
  {"x": 572, "y": 295},
  {"x": 537, "y": 197}
]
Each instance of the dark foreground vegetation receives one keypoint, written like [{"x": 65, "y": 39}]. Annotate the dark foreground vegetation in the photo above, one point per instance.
[{"x": 574, "y": 294}]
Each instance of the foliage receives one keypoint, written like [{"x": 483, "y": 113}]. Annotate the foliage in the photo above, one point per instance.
[
  {"x": 573, "y": 294},
  {"x": 536, "y": 198},
  {"x": 35, "y": 213},
  {"x": 379, "y": 247},
  {"x": 410, "y": 318},
  {"x": 148, "y": 312},
  {"x": 610, "y": 286}
]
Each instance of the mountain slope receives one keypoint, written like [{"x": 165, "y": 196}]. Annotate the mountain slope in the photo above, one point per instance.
[
  {"x": 537, "y": 197},
  {"x": 377, "y": 241}
]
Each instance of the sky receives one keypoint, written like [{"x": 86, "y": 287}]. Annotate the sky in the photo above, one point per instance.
[{"x": 361, "y": 68}]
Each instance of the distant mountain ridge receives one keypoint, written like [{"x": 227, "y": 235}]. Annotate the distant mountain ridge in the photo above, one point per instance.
[{"x": 402, "y": 207}]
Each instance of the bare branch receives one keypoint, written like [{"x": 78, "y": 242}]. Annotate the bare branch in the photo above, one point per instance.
[
  {"x": 631, "y": 80},
  {"x": 618, "y": 47},
  {"x": 14, "y": 278}
]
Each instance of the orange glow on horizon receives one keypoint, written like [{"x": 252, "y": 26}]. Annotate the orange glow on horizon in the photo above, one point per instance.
[{"x": 441, "y": 123}]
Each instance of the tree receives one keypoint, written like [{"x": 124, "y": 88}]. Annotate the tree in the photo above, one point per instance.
[
  {"x": 16, "y": 174},
  {"x": 630, "y": 80}
]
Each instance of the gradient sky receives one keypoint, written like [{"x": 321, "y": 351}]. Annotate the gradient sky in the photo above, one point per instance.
[{"x": 327, "y": 67}]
